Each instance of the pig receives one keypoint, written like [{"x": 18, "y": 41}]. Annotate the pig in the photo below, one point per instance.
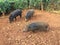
[
  {"x": 41, "y": 26},
  {"x": 29, "y": 14},
  {"x": 14, "y": 14}
]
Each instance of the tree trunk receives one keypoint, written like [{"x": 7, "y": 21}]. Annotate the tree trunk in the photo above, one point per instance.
[
  {"x": 28, "y": 4},
  {"x": 41, "y": 5}
]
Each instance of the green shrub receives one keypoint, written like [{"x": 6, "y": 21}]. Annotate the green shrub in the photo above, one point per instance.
[
  {"x": 9, "y": 5},
  {"x": 21, "y": 4},
  {"x": 5, "y": 7}
]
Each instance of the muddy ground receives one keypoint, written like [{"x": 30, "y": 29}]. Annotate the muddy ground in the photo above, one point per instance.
[{"x": 12, "y": 34}]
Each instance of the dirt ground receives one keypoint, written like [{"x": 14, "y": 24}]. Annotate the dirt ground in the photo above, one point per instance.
[{"x": 12, "y": 34}]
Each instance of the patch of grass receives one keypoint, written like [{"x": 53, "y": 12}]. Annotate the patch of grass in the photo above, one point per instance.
[{"x": 58, "y": 12}]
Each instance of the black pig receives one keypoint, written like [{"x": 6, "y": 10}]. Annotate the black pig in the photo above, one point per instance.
[
  {"x": 14, "y": 14},
  {"x": 41, "y": 26},
  {"x": 29, "y": 14}
]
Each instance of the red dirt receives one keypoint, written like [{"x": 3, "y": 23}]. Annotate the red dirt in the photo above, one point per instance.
[{"x": 12, "y": 34}]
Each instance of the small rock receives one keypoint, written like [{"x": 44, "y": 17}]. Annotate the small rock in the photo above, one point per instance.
[
  {"x": 18, "y": 24},
  {"x": 18, "y": 38},
  {"x": 9, "y": 39},
  {"x": 16, "y": 41},
  {"x": 7, "y": 27},
  {"x": 29, "y": 36},
  {"x": 24, "y": 43},
  {"x": 3, "y": 28}
]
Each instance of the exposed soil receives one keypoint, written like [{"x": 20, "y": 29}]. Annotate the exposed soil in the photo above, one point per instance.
[{"x": 12, "y": 34}]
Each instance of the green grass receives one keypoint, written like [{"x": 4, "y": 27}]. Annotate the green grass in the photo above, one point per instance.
[
  {"x": 57, "y": 12},
  {"x": 7, "y": 0},
  {"x": 1, "y": 0}
]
